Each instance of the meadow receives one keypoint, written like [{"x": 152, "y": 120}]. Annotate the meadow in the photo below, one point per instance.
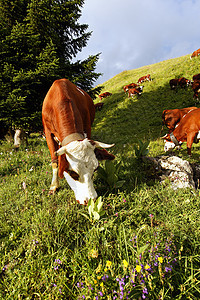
[{"x": 139, "y": 241}]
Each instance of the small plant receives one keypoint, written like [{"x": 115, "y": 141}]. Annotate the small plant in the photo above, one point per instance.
[
  {"x": 141, "y": 149},
  {"x": 110, "y": 174},
  {"x": 95, "y": 209}
]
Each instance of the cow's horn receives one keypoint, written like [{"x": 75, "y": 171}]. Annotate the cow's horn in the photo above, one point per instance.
[
  {"x": 61, "y": 151},
  {"x": 103, "y": 145},
  {"x": 164, "y": 136}
]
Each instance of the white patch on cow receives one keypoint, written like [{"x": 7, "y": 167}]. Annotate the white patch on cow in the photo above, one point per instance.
[
  {"x": 141, "y": 87},
  {"x": 82, "y": 160},
  {"x": 80, "y": 91},
  {"x": 198, "y": 135},
  {"x": 168, "y": 146},
  {"x": 54, "y": 182}
]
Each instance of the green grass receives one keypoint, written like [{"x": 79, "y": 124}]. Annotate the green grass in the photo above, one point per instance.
[{"x": 148, "y": 236}]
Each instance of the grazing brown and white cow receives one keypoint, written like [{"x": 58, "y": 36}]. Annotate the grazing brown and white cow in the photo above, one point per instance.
[
  {"x": 184, "y": 82},
  {"x": 104, "y": 95},
  {"x": 171, "y": 117},
  {"x": 186, "y": 131},
  {"x": 130, "y": 86},
  {"x": 98, "y": 106},
  {"x": 67, "y": 115},
  {"x": 135, "y": 91},
  {"x": 144, "y": 78},
  {"x": 196, "y": 77},
  {"x": 196, "y": 89},
  {"x": 195, "y": 53},
  {"x": 173, "y": 83}
]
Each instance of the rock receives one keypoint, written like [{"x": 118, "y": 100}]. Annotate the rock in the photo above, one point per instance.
[{"x": 177, "y": 170}]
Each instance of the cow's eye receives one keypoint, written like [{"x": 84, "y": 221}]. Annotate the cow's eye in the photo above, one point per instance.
[{"x": 73, "y": 174}]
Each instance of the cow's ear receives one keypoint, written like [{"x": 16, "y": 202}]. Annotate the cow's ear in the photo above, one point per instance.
[
  {"x": 63, "y": 165},
  {"x": 102, "y": 154},
  {"x": 61, "y": 151},
  {"x": 163, "y": 113}
]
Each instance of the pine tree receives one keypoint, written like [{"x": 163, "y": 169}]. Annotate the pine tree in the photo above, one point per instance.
[{"x": 39, "y": 39}]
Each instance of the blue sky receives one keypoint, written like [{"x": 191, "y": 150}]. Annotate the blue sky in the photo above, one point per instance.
[{"x": 134, "y": 33}]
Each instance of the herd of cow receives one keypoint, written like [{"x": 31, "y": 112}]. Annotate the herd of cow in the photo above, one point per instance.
[
  {"x": 181, "y": 128},
  {"x": 136, "y": 89},
  {"x": 183, "y": 124},
  {"x": 131, "y": 88},
  {"x": 184, "y": 82},
  {"x": 67, "y": 115}
]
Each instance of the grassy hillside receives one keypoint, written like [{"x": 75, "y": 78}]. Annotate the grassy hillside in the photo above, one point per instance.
[
  {"x": 143, "y": 244},
  {"x": 124, "y": 120}
]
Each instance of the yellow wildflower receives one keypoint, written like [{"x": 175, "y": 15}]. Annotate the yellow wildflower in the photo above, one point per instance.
[
  {"x": 147, "y": 267},
  {"x": 125, "y": 263},
  {"x": 105, "y": 270},
  {"x": 98, "y": 269},
  {"x": 101, "y": 284},
  {"x": 138, "y": 268},
  {"x": 98, "y": 277},
  {"x": 108, "y": 264},
  {"x": 93, "y": 253},
  {"x": 95, "y": 282},
  {"x": 160, "y": 259}
]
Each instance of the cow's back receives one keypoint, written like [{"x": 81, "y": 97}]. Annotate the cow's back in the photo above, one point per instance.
[
  {"x": 191, "y": 122},
  {"x": 67, "y": 109}
]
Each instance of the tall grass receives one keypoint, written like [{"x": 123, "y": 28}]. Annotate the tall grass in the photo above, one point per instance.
[{"x": 145, "y": 245}]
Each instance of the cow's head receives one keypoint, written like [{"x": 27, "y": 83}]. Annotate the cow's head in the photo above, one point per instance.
[
  {"x": 169, "y": 144},
  {"x": 83, "y": 157},
  {"x": 140, "y": 88}
]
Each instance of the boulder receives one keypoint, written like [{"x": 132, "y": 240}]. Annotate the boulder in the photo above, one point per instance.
[{"x": 178, "y": 171}]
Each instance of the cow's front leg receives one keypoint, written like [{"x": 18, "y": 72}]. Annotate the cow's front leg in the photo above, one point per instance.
[{"x": 54, "y": 183}]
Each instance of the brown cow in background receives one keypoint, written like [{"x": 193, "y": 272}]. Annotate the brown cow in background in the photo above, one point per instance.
[
  {"x": 171, "y": 117},
  {"x": 144, "y": 78},
  {"x": 195, "y": 53},
  {"x": 104, "y": 95},
  {"x": 130, "y": 86}
]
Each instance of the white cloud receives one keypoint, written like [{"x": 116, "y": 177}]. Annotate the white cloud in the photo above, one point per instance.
[{"x": 134, "y": 33}]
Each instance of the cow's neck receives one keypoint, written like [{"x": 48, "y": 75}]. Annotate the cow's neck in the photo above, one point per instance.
[
  {"x": 72, "y": 137},
  {"x": 174, "y": 139}
]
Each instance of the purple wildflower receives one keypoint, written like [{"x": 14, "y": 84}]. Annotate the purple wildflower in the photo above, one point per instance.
[
  {"x": 4, "y": 268},
  {"x": 168, "y": 269},
  {"x": 58, "y": 261}
]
